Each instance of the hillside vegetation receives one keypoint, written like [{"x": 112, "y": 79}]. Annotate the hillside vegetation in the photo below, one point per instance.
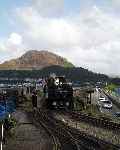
[{"x": 75, "y": 74}]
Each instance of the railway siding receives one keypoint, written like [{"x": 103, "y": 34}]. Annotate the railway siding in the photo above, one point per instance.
[
  {"x": 99, "y": 122},
  {"x": 80, "y": 139},
  {"x": 96, "y": 131}
]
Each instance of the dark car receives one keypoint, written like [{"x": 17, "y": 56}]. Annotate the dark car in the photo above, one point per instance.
[{"x": 117, "y": 114}]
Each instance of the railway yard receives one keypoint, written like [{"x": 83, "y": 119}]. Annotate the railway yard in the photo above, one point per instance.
[
  {"x": 44, "y": 129},
  {"x": 59, "y": 75}
]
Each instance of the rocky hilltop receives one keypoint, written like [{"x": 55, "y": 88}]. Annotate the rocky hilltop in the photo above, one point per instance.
[{"x": 35, "y": 60}]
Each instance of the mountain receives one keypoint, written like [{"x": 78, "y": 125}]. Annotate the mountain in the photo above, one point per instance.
[
  {"x": 35, "y": 60},
  {"x": 38, "y": 64}
]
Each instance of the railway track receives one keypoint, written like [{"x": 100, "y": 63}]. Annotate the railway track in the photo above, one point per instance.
[
  {"x": 93, "y": 143},
  {"x": 55, "y": 140},
  {"x": 89, "y": 142},
  {"x": 70, "y": 138},
  {"x": 63, "y": 139},
  {"x": 98, "y": 122}
]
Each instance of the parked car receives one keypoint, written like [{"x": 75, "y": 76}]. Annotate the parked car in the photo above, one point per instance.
[
  {"x": 106, "y": 104},
  {"x": 117, "y": 114}
]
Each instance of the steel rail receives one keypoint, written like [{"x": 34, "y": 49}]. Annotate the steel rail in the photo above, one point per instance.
[
  {"x": 55, "y": 140},
  {"x": 66, "y": 139}
]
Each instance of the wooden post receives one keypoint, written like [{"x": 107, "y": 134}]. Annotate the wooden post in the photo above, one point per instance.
[
  {"x": 2, "y": 134},
  {"x": 90, "y": 97},
  {"x": 76, "y": 124}
]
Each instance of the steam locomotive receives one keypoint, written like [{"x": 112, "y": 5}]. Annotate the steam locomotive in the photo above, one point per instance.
[{"x": 58, "y": 93}]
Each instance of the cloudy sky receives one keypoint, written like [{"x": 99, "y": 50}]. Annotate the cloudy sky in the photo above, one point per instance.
[{"x": 87, "y": 32}]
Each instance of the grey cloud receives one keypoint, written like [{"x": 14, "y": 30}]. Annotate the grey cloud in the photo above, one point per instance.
[{"x": 49, "y": 8}]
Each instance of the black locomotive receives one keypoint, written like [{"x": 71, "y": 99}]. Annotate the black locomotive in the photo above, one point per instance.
[{"x": 58, "y": 93}]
